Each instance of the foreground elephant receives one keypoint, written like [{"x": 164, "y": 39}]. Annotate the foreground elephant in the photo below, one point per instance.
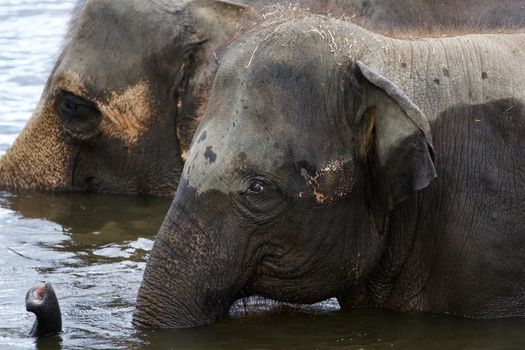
[
  {"x": 127, "y": 92},
  {"x": 334, "y": 162}
]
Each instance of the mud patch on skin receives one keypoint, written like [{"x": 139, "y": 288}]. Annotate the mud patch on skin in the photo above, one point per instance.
[
  {"x": 184, "y": 155},
  {"x": 71, "y": 82},
  {"x": 333, "y": 181},
  {"x": 127, "y": 114}
]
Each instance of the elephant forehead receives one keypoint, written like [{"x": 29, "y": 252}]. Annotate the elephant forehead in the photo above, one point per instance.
[
  {"x": 218, "y": 160},
  {"x": 122, "y": 36}
]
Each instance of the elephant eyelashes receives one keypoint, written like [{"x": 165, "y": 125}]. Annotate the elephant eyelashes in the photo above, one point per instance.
[
  {"x": 79, "y": 116},
  {"x": 69, "y": 107},
  {"x": 255, "y": 188}
]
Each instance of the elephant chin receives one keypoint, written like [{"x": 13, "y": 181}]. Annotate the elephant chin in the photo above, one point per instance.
[{"x": 163, "y": 310}]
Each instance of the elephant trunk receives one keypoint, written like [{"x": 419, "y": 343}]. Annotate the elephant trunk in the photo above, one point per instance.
[
  {"x": 40, "y": 158},
  {"x": 190, "y": 278}
]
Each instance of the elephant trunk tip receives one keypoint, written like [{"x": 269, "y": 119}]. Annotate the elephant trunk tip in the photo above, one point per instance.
[{"x": 43, "y": 302}]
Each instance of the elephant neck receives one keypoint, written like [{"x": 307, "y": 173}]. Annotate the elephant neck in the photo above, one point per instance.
[{"x": 397, "y": 279}]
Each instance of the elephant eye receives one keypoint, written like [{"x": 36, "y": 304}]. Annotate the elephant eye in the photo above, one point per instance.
[
  {"x": 256, "y": 187},
  {"x": 69, "y": 106},
  {"x": 79, "y": 116}
]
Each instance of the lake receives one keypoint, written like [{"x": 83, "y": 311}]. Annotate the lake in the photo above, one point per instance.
[{"x": 93, "y": 248}]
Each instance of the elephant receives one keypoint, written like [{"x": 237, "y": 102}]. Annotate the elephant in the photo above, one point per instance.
[
  {"x": 42, "y": 301},
  {"x": 126, "y": 127},
  {"x": 427, "y": 15},
  {"x": 332, "y": 161},
  {"x": 119, "y": 107}
]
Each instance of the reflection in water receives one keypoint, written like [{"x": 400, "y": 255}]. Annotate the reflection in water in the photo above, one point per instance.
[
  {"x": 102, "y": 223},
  {"x": 356, "y": 329}
]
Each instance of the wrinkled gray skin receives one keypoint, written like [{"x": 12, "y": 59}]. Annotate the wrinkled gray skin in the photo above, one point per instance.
[
  {"x": 129, "y": 88},
  {"x": 42, "y": 301},
  {"x": 426, "y": 15},
  {"x": 432, "y": 14},
  {"x": 120, "y": 106},
  {"x": 333, "y": 162}
]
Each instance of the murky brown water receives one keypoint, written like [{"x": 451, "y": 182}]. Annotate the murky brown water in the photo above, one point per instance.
[{"x": 93, "y": 249}]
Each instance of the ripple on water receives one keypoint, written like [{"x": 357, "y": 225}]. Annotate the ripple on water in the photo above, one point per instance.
[
  {"x": 30, "y": 36},
  {"x": 75, "y": 241}
]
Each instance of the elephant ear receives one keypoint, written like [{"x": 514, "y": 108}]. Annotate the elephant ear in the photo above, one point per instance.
[
  {"x": 394, "y": 140},
  {"x": 213, "y": 22},
  {"x": 220, "y": 19}
]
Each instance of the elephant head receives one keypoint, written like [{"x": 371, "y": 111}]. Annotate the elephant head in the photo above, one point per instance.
[
  {"x": 289, "y": 179},
  {"x": 120, "y": 106}
]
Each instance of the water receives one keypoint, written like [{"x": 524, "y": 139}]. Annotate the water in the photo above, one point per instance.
[{"x": 93, "y": 249}]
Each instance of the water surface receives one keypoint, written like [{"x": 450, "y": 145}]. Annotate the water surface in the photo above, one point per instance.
[{"x": 93, "y": 249}]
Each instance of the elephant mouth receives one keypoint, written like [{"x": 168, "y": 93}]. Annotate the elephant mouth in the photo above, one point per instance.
[{"x": 81, "y": 177}]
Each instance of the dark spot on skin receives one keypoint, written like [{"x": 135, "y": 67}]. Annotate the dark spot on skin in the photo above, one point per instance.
[
  {"x": 437, "y": 81},
  {"x": 203, "y": 137},
  {"x": 245, "y": 107},
  {"x": 484, "y": 75},
  {"x": 446, "y": 72},
  {"x": 310, "y": 168},
  {"x": 276, "y": 145},
  {"x": 404, "y": 65},
  {"x": 210, "y": 156}
]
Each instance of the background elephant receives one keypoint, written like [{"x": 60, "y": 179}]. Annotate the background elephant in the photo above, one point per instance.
[
  {"x": 386, "y": 173},
  {"x": 429, "y": 15},
  {"x": 128, "y": 89},
  {"x": 119, "y": 108}
]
